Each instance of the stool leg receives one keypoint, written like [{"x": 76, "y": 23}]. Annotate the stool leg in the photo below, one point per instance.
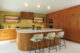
[
  {"x": 54, "y": 44},
  {"x": 43, "y": 46},
  {"x": 36, "y": 46},
  {"x": 45, "y": 43},
  {"x": 39, "y": 46},
  {"x": 31, "y": 47},
  {"x": 59, "y": 43},
  {"x": 49, "y": 45},
  {"x": 65, "y": 43}
]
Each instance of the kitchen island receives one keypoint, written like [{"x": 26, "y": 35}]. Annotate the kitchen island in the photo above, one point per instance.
[{"x": 24, "y": 36}]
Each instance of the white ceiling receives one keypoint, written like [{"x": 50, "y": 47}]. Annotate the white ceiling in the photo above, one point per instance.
[{"x": 18, "y": 5}]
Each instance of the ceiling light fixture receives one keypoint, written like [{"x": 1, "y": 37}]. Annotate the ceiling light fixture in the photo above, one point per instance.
[
  {"x": 38, "y": 6},
  {"x": 26, "y": 4},
  {"x": 48, "y": 7}
]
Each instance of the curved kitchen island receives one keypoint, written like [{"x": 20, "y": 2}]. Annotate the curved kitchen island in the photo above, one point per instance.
[{"x": 24, "y": 35}]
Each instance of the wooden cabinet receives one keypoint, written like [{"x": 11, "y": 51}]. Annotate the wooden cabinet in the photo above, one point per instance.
[
  {"x": 75, "y": 33},
  {"x": 55, "y": 22},
  {"x": 49, "y": 22},
  {"x": 26, "y": 15},
  {"x": 70, "y": 19},
  {"x": 7, "y": 34}
]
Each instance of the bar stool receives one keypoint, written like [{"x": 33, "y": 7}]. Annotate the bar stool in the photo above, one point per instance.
[
  {"x": 35, "y": 39},
  {"x": 50, "y": 36},
  {"x": 60, "y": 36}
]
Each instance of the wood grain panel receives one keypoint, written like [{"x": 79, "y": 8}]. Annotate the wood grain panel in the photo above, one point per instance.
[
  {"x": 24, "y": 43},
  {"x": 70, "y": 19},
  {"x": 26, "y": 15},
  {"x": 7, "y": 34}
]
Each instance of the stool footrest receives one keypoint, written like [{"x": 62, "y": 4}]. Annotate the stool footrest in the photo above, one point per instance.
[{"x": 51, "y": 48}]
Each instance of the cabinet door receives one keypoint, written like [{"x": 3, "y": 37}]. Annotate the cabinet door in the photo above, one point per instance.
[
  {"x": 76, "y": 31},
  {"x": 66, "y": 25},
  {"x": 30, "y": 15},
  {"x": 74, "y": 28},
  {"x": 79, "y": 28},
  {"x": 47, "y": 22},
  {"x": 26, "y": 15}
]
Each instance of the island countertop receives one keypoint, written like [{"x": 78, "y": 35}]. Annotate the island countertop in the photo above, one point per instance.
[{"x": 37, "y": 31}]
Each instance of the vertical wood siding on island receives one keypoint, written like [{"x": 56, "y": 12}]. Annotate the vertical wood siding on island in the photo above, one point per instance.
[{"x": 24, "y": 43}]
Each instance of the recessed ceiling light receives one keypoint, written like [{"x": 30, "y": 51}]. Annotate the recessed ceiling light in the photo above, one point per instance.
[
  {"x": 48, "y": 7},
  {"x": 26, "y": 4},
  {"x": 38, "y": 6}
]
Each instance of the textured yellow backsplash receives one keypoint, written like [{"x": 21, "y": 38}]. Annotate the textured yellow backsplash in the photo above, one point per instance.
[{"x": 22, "y": 23}]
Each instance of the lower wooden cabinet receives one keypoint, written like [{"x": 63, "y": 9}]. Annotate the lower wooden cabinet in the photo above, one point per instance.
[{"x": 7, "y": 34}]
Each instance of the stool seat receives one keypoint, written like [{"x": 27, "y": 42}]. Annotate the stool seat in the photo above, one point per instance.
[
  {"x": 60, "y": 35},
  {"x": 50, "y": 36},
  {"x": 37, "y": 38}
]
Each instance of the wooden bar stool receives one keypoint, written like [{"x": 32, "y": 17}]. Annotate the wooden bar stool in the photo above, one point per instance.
[
  {"x": 51, "y": 36},
  {"x": 35, "y": 39}
]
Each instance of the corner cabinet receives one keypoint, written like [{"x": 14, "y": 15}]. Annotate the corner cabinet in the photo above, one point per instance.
[{"x": 26, "y": 15}]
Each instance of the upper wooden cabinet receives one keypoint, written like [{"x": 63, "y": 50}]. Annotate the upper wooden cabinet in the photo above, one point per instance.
[{"x": 26, "y": 15}]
